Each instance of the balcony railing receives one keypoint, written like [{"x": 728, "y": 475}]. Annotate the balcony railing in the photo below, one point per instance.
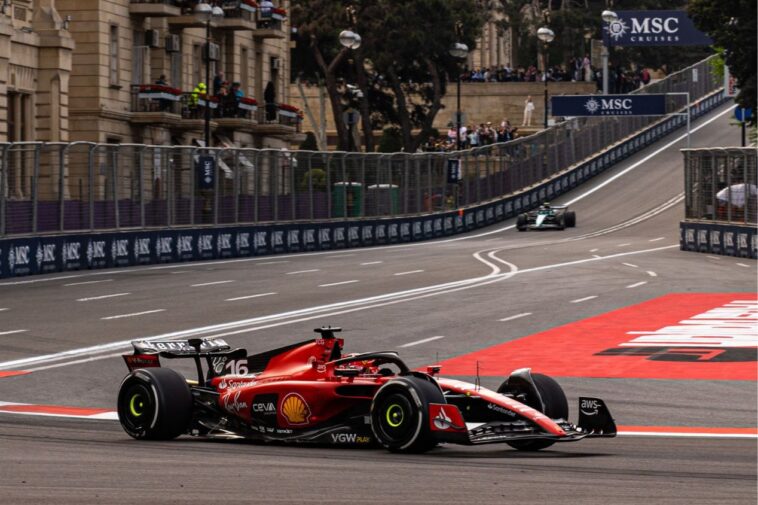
[
  {"x": 156, "y": 98},
  {"x": 156, "y": 8},
  {"x": 271, "y": 18}
]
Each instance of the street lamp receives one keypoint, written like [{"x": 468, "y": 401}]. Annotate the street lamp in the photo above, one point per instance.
[
  {"x": 207, "y": 13},
  {"x": 350, "y": 39},
  {"x": 459, "y": 51},
  {"x": 546, "y": 35},
  {"x": 609, "y": 17}
]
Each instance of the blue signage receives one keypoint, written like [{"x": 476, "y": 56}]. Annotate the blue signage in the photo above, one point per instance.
[
  {"x": 743, "y": 114},
  {"x": 608, "y": 105},
  {"x": 654, "y": 28},
  {"x": 453, "y": 171},
  {"x": 206, "y": 170}
]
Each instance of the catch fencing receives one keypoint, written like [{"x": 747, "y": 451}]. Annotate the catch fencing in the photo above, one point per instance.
[
  {"x": 721, "y": 185},
  {"x": 85, "y": 187}
]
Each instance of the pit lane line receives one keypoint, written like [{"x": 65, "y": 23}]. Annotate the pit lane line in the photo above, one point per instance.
[
  {"x": 389, "y": 248},
  {"x": 636, "y": 431},
  {"x": 276, "y": 320}
]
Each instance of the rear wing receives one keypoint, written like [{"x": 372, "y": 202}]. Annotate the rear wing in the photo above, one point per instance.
[{"x": 220, "y": 357}]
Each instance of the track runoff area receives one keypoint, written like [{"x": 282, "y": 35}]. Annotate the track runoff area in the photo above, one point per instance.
[{"x": 679, "y": 336}]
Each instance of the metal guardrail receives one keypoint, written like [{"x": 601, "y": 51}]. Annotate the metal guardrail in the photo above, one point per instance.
[
  {"x": 56, "y": 187},
  {"x": 720, "y": 185}
]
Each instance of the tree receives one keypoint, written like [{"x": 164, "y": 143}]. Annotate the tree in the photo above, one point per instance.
[
  {"x": 732, "y": 26},
  {"x": 402, "y": 66}
]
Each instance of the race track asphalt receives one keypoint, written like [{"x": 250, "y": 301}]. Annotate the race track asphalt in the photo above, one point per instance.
[{"x": 624, "y": 251}]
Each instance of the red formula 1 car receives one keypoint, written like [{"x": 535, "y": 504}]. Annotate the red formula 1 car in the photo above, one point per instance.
[{"x": 312, "y": 392}]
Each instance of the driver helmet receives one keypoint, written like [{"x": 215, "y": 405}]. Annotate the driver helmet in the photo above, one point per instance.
[{"x": 545, "y": 205}]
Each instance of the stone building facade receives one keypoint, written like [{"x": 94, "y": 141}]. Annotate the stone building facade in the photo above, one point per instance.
[{"x": 77, "y": 70}]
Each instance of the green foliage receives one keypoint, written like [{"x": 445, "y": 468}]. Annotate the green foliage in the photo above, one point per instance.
[
  {"x": 403, "y": 41},
  {"x": 317, "y": 178},
  {"x": 732, "y": 25},
  {"x": 391, "y": 140}
]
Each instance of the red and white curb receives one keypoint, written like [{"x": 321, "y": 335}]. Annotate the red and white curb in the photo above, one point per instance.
[
  {"x": 57, "y": 411},
  {"x": 623, "y": 431}
]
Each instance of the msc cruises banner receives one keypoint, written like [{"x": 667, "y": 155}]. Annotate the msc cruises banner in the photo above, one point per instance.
[
  {"x": 608, "y": 105},
  {"x": 654, "y": 28}
]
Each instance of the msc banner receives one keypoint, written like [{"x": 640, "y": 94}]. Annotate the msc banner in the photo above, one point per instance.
[
  {"x": 654, "y": 28},
  {"x": 608, "y": 105}
]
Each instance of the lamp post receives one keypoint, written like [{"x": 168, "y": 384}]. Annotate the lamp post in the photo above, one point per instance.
[
  {"x": 459, "y": 51},
  {"x": 609, "y": 17},
  {"x": 350, "y": 40},
  {"x": 208, "y": 13},
  {"x": 546, "y": 35}
]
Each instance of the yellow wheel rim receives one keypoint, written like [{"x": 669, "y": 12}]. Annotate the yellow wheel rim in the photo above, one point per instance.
[
  {"x": 135, "y": 405},
  {"x": 394, "y": 415}
]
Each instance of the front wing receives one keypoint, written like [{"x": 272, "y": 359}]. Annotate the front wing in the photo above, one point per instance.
[{"x": 448, "y": 425}]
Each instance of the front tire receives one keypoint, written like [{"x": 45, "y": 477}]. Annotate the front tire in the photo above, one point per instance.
[
  {"x": 521, "y": 222},
  {"x": 556, "y": 407},
  {"x": 570, "y": 219},
  {"x": 154, "y": 404},
  {"x": 400, "y": 414}
]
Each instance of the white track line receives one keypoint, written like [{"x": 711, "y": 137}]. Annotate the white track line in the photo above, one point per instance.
[
  {"x": 336, "y": 283},
  {"x": 632, "y": 265},
  {"x": 714, "y": 257},
  {"x": 11, "y": 332},
  {"x": 101, "y": 297},
  {"x": 594, "y": 250},
  {"x": 87, "y": 282},
  {"x": 636, "y": 284},
  {"x": 209, "y": 283},
  {"x": 371, "y": 263},
  {"x": 656, "y": 239},
  {"x": 652, "y": 274},
  {"x": 134, "y": 314},
  {"x": 180, "y": 272},
  {"x": 409, "y": 272},
  {"x": 303, "y": 271},
  {"x": 422, "y": 341},
  {"x": 647, "y": 158},
  {"x": 247, "y": 297},
  {"x": 596, "y": 256},
  {"x": 580, "y": 300},
  {"x": 310, "y": 313},
  {"x": 624, "y": 244},
  {"x": 683, "y": 435},
  {"x": 743, "y": 265},
  {"x": 517, "y": 316},
  {"x": 340, "y": 255},
  {"x": 3, "y": 309}
]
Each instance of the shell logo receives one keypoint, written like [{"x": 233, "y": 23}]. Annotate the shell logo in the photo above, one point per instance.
[{"x": 295, "y": 409}]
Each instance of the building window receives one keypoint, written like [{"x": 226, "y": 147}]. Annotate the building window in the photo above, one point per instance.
[
  {"x": 244, "y": 65},
  {"x": 197, "y": 63},
  {"x": 113, "y": 62}
]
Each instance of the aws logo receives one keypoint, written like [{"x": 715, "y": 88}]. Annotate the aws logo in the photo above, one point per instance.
[{"x": 295, "y": 409}]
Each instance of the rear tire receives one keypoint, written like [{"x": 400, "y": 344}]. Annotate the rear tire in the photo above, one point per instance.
[
  {"x": 154, "y": 404},
  {"x": 399, "y": 422},
  {"x": 556, "y": 407},
  {"x": 521, "y": 222},
  {"x": 570, "y": 219}
]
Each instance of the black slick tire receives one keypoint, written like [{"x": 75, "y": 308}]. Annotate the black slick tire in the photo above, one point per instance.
[
  {"x": 400, "y": 414},
  {"x": 570, "y": 219},
  {"x": 556, "y": 407},
  {"x": 521, "y": 222},
  {"x": 154, "y": 404}
]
